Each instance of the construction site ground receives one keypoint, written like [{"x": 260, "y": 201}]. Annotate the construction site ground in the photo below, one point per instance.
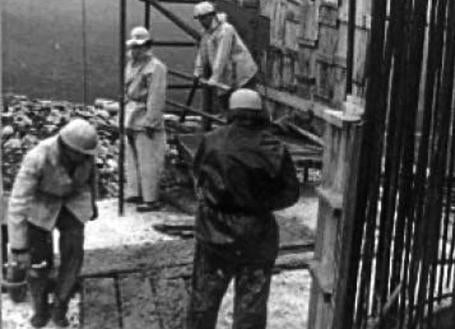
[{"x": 136, "y": 277}]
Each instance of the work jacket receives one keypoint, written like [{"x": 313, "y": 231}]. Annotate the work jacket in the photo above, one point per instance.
[
  {"x": 43, "y": 186},
  {"x": 242, "y": 174},
  {"x": 227, "y": 56},
  {"x": 145, "y": 85}
]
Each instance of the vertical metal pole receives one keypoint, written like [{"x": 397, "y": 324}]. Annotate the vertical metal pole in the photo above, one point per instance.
[
  {"x": 1, "y": 171},
  {"x": 84, "y": 52},
  {"x": 351, "y": 45},
  {"x": 147, "y": 15},
  {"x": 122, "y": 24}
]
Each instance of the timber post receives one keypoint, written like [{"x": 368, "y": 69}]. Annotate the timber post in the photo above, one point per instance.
[{"x": 334, "y": 224}]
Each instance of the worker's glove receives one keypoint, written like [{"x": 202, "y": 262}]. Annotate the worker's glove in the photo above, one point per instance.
[
  {"x": 21, "y": 259},
  {"x": 212, "y": 82},
  {"x": 95, "y": 212},
  {"x": 129, "y": 132}
]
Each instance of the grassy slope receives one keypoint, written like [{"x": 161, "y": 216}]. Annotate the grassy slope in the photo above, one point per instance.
[{"x": 42, "y": 46}]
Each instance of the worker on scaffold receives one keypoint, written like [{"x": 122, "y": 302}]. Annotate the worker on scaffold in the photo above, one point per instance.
[
  {"x": 55, "y": 187},
  {"x": 146, "y": 82},
  {"x": 223, "y": 58},
  {"x": 242, "y": 174}
]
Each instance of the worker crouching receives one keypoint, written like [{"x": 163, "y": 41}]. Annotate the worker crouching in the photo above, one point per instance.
[
  {"x": 54, "y": 188},
  {"x": 242, "y": 174},
  {"x": 146, "y": 79}
]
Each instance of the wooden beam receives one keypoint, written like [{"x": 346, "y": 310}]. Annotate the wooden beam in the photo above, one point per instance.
[
  {"x": 293, "y": 101},
  {"x": 99, "y": 304},
  {"x": 138, "y": 303}
]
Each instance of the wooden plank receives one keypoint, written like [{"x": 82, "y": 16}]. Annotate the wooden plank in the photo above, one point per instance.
[
  {"x": 99, "y": 304},
  {"x": 293, "y": 101},
  {"x": 138, "y": 303},
  {"x": 137, "y": 258}
]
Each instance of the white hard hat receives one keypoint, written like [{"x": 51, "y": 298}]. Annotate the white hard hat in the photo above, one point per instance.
[
  {"x": 203, "y": 8},
  {"x": 80, "y": 136},
  {"x": 139, "y": 36},
  {"x": 245, "y": 99}
]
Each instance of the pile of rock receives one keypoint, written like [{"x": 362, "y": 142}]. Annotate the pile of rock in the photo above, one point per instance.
[{"x": 26, "y": 122}]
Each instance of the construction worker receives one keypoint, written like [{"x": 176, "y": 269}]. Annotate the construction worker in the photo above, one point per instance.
[
  {"x": 146, "y": 139},
  {"x": 55, "y": 187},
  {"x": 242, "y": 174},
  {"x": 223, "y": 58}
]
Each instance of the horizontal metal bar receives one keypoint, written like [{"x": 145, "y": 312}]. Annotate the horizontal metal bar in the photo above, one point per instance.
[
  {"x": 192, "y": 110},
  {"x": 190, "y": 77},
  {"x": 166, "y": 43},
  {"x": 180, "y": 74},
  {"x": 181, "y": 86}
]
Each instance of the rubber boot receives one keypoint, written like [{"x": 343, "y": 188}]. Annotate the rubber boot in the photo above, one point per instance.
[
  {"x": 39, "y": 292},
  {"x": 59, "y": 314}
]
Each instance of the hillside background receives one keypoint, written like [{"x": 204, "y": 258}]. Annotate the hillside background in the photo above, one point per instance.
[{"x": 42, "y": 46}]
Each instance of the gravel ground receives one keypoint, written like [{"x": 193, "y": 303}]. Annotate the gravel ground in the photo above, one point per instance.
[{"x": 288, "y": 306}]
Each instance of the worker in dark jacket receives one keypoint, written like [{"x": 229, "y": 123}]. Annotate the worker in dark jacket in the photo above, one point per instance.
[
  {"x": 242, "y": 173},
  {"x": 54, "y": 188}
]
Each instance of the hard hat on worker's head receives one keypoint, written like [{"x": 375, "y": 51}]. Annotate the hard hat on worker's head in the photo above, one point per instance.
[
  {"x": 139, "y": 37},
  {"x": 80, "y": 136},
  {"x": 203, "y": 8},
  {"x": 245, "y": 99}
]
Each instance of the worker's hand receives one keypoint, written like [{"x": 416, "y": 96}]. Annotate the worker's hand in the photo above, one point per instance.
[
  {"x": 22, "y": 259},
  {"x": 95, "y": 212},
  {"x": 129, "y": 132},
  {"x": 150, "y": 131},
  {"x": 212, "y": 82}
]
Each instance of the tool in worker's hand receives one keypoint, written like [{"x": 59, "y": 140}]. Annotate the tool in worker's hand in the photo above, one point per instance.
[
  {"x": 16, "y": 279},
  {"x": 190, "y": 98},
  {"x": 218, "y": 85}
]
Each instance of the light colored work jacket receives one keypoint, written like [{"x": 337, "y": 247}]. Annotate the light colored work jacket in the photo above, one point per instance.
[
  {"x": 145, "y": 85},
  {"x": 224, "y": 51},
  {"x": 43, "y": 186}
]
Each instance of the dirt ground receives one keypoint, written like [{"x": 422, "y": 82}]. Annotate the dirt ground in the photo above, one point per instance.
[{"x": 288, "y": 306}]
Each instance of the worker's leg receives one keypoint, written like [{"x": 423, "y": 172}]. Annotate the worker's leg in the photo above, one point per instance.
[
  {"x": 252, "y": 287},
  {"x": 151, "y": 152},
  {"x": 211, "y": 276},
  {"x": 41, "y": 253},
  {"x": 132, "y": 181},
  {"x": 71, "y": 245}
]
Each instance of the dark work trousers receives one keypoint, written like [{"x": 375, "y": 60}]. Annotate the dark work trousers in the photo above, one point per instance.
[
  {"x": 71, "y": 250},
  {"x": 223, "y": 100},
  {"x": 211, "y": 276}
]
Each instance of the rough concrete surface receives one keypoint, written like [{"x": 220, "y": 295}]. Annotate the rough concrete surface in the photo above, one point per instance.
[{"x": 289, "y": 298}]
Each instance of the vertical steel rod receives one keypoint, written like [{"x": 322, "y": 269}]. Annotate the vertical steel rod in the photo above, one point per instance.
[
  {"x": 1, "y": 171},
  {"x": 147, "y": 15},
  {"x": 84, "y": 53},
  {"x": 351, "y": 45},
  {"x": 122, "y": 24}
]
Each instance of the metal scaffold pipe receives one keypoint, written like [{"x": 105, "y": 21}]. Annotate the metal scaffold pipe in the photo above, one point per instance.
[
  {"x": 175, "y": 19},
  {"x": 1, "y": 174},
  {"x": 121, "y": 125}
]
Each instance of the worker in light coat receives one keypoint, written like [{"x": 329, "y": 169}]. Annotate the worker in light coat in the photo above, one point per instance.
[
  {"x": 55, "y": 187},
  {"x": 243, "y": 173},
  {"x": 223, "y": 58},
  {"x": 146, "y": 82}
]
